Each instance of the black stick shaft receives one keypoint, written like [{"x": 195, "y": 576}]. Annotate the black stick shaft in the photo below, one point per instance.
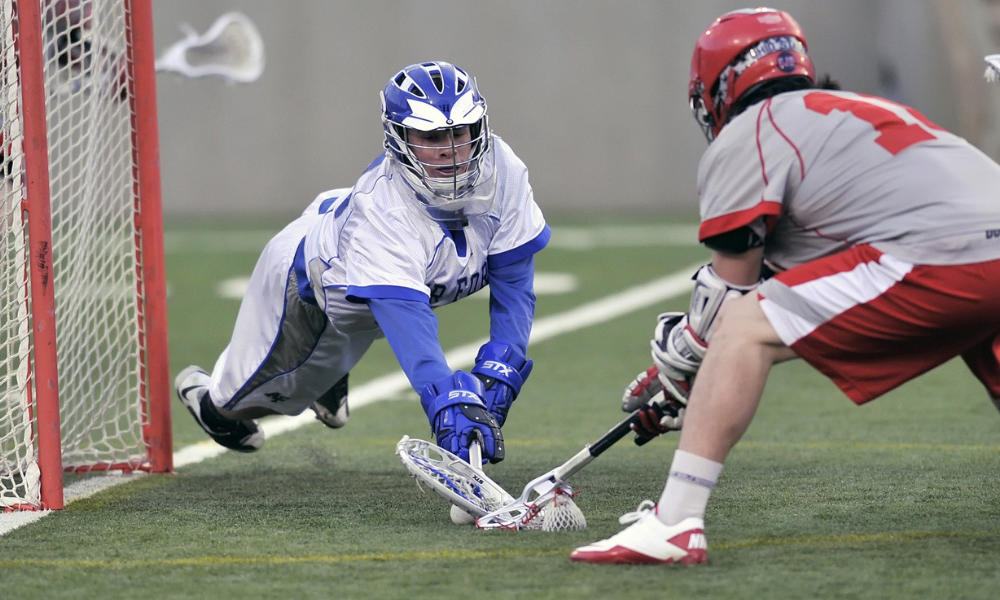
[{"x": 613, "y": 435}]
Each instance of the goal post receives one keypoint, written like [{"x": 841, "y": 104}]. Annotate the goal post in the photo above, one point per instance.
[
  {"x": 84, "y": 372},
  {"x": 146, "y": 142}
]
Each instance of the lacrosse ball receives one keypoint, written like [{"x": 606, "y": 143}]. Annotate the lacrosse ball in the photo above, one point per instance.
[{"x": 460, "y": 517}]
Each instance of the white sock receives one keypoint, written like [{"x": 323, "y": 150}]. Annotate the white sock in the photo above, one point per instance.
[{"x": 688, "y": 487}]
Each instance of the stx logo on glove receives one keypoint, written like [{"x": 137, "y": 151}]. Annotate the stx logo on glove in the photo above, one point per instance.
[
  {"x": 493, "y": 365},
  {"x": 464, "y": 394}
]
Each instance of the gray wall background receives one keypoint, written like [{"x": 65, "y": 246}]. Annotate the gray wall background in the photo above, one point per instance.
[{"x": 590, "y": 93}]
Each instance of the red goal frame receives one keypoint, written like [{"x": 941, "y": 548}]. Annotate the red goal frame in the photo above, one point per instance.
[{"x": 157, "y": 432}]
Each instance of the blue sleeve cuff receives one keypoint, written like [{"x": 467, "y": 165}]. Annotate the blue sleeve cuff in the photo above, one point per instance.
[
  {"x": 503, "y": 259},
  {"x": 362, "y": 294}
]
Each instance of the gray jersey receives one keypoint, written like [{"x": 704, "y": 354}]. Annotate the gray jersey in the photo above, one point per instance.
[{"x": 819, "y": 171}]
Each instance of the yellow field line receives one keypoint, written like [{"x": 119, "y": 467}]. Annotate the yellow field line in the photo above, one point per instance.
[
  {"x": 278, "y": 560},
  {"x": 209, "y": 561}
]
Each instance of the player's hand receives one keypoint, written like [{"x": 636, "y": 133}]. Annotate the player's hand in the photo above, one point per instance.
[
  {"x": 503, "y": 370},
  {"x": 661, "y": 410},
  {"x": 641, "y": 390},
  {"x": 456, "y": 411},
  {"x": 657, "y": 417},
  {"x": 650, "y": 384}
]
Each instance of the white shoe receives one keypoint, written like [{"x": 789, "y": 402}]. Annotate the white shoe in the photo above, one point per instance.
[
  {"x": 191, "y": 386},
  {"x": 649, "y": 542}
]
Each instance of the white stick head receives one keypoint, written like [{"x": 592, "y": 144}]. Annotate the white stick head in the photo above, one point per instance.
[
  {"x": 451, "y": 477},
  {"x": 232, "y": 49},
  {"x": 552, "y": 511},
  {"x": 992, "y": 67}
]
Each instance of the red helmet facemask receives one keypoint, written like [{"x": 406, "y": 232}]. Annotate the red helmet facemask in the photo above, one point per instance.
[{"x": 740, "y": 50}]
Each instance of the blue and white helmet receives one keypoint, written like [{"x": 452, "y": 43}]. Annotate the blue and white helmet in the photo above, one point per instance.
[{"x": 438, "y": 96}]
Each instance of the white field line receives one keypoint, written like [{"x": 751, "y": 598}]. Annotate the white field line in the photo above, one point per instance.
[
  {"x": 546, "y": 284},
  {"x": 563, "y": 238},
  {"x": 382, "y": 388}
]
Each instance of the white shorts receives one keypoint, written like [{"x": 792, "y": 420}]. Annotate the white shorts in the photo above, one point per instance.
[
  {"x": 285, "y": 353},
  {"x": 871, "y": 322}
]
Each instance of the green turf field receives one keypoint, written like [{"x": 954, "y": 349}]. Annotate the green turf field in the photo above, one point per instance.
[{"x": 822, "y": 499}]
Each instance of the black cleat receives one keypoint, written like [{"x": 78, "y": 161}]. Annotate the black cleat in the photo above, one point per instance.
[{"x": 331, "y": 408}]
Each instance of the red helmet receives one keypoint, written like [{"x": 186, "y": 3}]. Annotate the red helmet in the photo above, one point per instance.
[{"x": 738, "y": 51}]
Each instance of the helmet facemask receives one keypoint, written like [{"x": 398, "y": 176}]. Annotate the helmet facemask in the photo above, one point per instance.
[
  {"x": 451, "y": 170},
  {"x": 702, "y": 115}
]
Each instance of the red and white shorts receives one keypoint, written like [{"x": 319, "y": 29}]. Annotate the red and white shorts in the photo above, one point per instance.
[{"x": 870, "y": 321}]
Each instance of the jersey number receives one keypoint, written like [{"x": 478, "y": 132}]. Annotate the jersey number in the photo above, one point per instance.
[{"x": 895, "y": 134}]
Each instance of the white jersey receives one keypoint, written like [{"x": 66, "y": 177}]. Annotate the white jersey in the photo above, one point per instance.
[
  {"x": 376, "y": 242},
  {"x": 349, "y": 245},
  {"x": 819, "y": 171}
]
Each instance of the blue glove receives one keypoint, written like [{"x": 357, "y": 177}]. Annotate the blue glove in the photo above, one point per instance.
[
  {"x": 503, "y": 370},
  {"x": 455, "y": 408}
]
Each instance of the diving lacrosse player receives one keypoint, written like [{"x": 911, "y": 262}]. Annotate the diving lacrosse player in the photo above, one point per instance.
[
  {"x": 882, "y": 231},
  {"x": 444, "y": 211}
]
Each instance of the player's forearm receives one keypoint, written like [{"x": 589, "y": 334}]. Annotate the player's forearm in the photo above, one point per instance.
[
  {"x": 410, "y": 327},
  {"x": 512, "y": 303}
]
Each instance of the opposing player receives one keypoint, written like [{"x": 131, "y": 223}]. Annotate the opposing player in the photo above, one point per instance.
[
  {"x": 444, "y": 211},
  {"x": 884, "y": 233}
]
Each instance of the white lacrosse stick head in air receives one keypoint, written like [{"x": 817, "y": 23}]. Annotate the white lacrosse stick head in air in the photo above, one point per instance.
[
  {"x": 232, "y": 48},
  {"x": 992, "y": 67}
]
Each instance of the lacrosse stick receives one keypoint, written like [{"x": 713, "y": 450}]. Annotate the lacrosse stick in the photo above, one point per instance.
[
  {"x": 232, "y": 48},
  {"x": 450, "y": 477},
  {"x": 992, "y": 67},
  {"x": 459, "y": 516},
  {"x": 474, "y": 493},
  {"x": 548, "y": 489}
]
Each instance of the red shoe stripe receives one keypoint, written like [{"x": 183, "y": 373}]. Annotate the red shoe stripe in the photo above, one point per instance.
[
  {"x": 695, "y": 557},
  {"x": 618, "y": 556},
  {"x": 683, "y": 539},
  {"x": 693, "y": 537}
]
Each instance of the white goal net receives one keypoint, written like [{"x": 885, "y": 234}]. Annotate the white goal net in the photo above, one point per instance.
[{"x": 102, "y": 224}]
